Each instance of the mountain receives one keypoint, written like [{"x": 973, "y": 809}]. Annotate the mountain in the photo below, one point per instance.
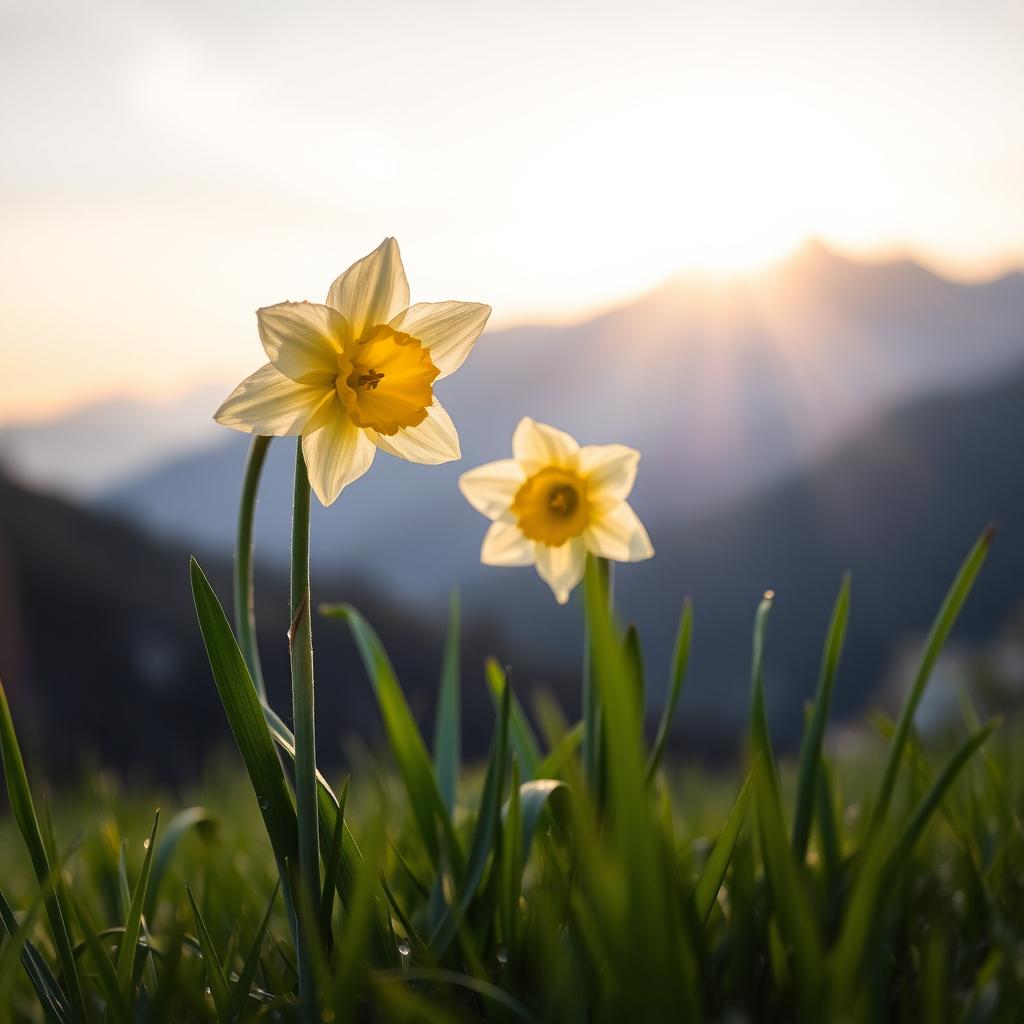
[
  {"x": 101, "y": 654},
  {"x": 90, "y": 449},
  {"x": 898, "y": 505},
  {"x": 724, "y": 384}
]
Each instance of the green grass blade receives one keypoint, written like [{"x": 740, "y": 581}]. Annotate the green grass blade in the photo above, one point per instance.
[
  {"x": 634, "y": 653},
  {"x": 47, "y": 988},
  {"x": 23, "y": 809},
  {"x": 521, "y": 734},
  {"x": 133, "y": 922},
  {"x": 511, "y": 860},
  {"x": 216, "y": 979},
  {"x": 814, "y": 735},
  {"x": 332, "y": 867},
  {"x": 407, "y": 746},
  {"x": 484, "y": 832},
  {"x": 243, "y": 986},
  {"x": 918, "y": 821},
  {"x": 760, "y": 738},
  {"x": 713, "y": 873},
  {"x": 199, "y": 818},
  {"x": 556, "y": 761},
  {"x": 447, "y": 730},
  {"x": 792, "y": 907},
  {"x": 940, "y": 630},
  {"x": 248, "y": 725},
  {"x": 680, "y": 659},
  {"x": 534, "y": 798},
  {"x": 116, "y": 1006},
  {"x": 328, "y": 807}
]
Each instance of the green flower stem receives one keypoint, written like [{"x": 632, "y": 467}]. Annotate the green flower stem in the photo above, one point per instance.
[
  {"x": 245, "y": 607},
  {"x": 592, "y": 760},
  {"x": 300, "y": 644}
]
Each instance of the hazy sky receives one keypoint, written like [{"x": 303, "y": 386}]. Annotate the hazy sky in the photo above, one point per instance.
[{"x": 168, "y": 167}]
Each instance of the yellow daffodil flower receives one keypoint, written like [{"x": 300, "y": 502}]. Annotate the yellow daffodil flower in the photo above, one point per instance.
[
  {"x": 358, "y": 373},
  {"x": 554, "y": 501}
]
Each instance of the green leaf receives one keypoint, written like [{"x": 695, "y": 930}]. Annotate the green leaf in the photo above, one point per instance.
[
  {"x": 814, "y": 735},
  {"x": 917, "y": 822},
  {"x": 48, "y": 991},
  {"x": 680, "y": 659},
  {"x": 248, "y": 725},
  {"x": 447, "y": 755},
  {"x": 215, "y": 976},
  {"x": 713, "y": 873},
  {"x": 484, "y": 831},
  {"x": 407, "y": 746},
  {"x": 941, "y": 627},
  {"x": 199, "y": 818},
  {"x": 117, "y": 1006},
  {"x": 634, "y": 653},
  {"x": 243, "y": 986},
  {"x": 760, "y": 738},
  {"x": 333, "y": 866},
  {"x": 23, "y": 809},
  {"x": 792, "y": 908},
  {"x": 133, "y": 921},
  {"x": 521, "y": 735},
  {"x": 511, "y": 860}
]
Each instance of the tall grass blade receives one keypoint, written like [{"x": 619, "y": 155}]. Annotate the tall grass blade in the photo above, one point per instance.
[
  {"x": 133, "y": 921},
  {"x": 47, "y": 988},
  {"x": 713, "y": 873},
  {"x": 332, "y": 867},
  {"x": 447, "y": 730},
  {"x": 23, "y": 809},
  {"x": 814, "y": 735},
  {"x": 243, "y": 986},
  {"x": 199, "y": 818},
  {"x": 521, "y": 734},
  {"x": 407, "y": 746},
  {"x": 680, "y": 659},
  {"x": 245, "y": 717},
  {"x": 918, "y": 821},
  {"x": 940, "y": 630},
  {"x": 484, "y": 832},
  {"x": 216, "y": 979}
]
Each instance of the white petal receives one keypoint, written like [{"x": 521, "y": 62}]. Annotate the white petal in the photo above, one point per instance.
[
  {"x": 504, "y": 544},
  {"x": 432, "y": 442},
  {"x": 303, "y": 340},
  {"x": 267, "y": 402},
  {"x": 336, "y": 454},
  {"x": 618, "y": 534},
  {"x": 610, "y": 471},
  {"x": 491, "y": 488},
  {"x": 448, "y": 330},
  {"x": 561, "y": 567},
  {"x": 373, "y": 290},
  {"x": 537, "y": 445}
]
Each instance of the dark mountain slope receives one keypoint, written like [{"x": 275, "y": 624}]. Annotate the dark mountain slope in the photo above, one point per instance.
[{"x": 101, "y": 654}]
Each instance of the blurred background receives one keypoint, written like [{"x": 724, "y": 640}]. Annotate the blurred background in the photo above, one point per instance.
[{"x": 776, "y": 248}]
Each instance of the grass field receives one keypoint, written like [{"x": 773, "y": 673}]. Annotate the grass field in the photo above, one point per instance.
[{"x": 573, "y": 877}]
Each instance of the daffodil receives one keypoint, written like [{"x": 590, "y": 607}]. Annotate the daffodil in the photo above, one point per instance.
[
  {"x": 357, "y": 373},
  {"x": 554, "y": 501}
]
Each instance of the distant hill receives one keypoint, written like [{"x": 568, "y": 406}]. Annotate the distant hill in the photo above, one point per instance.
[
  {"x": 724, "y": 384},
  {"x": 91, "y": 449},
  {"x": 101, "y": 654},
  {"x": 899, "y": 505}
]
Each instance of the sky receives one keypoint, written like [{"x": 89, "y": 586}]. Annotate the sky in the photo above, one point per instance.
[{"x": 168, "y": 167}]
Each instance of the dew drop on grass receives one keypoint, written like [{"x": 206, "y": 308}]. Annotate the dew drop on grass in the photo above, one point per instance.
[
  {"x": 264, "y": 803},
  {"x": 502, "y": 955},
  {"x": 145, "y": 843},
  {"x": 404, "y": 949},
  {"x": 209, "y": 991}
]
